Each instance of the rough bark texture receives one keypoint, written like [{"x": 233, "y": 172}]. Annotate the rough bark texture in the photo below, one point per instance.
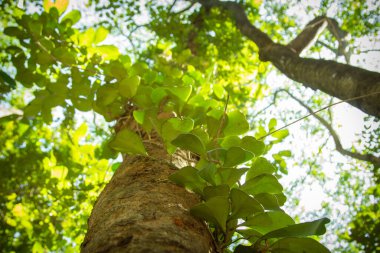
[
  {"x": 339, "y": 80},
  {"x": 336, "y": 79},
  {"x": 141, "y": 211}
]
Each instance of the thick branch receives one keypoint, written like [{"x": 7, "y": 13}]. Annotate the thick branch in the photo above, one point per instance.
[
  {"x": 313, "y": 29},
  {"x": 237, "y": 12},
  {"x": 338, "y": 145},
  {"x": 308, "y": 35},
  {"x": 339, "y": 80},
  {"x": 336, "y": 79}
]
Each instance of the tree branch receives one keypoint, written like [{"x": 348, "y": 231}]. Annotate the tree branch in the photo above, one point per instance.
[
  {"x": 338, "y": 145},
  {"x": 342, "y": 81}
]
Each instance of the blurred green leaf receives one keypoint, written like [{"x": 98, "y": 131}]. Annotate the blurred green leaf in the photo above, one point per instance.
[
  {"x": 129, "y": 142},
  {"x": 214, "y": 210},
  {"x": 189, "y": 178}
]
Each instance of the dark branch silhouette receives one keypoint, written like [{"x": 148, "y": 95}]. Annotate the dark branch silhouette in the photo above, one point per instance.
[
  {"x": 338, "y": 145},
  {"x": 339, "y": 80}
]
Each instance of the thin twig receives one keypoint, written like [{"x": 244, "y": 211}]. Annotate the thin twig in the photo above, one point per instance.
[
  {"x": 172, "y": 5},
  {"x": 222, "y": 120},
  {"x": 338, "y": 145},
  {"x": 185, "y": 9},
  {"x": 314, "y": 112}
]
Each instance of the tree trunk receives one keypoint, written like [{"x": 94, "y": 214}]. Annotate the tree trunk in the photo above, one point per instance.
[{"x": 141, "y": 211}]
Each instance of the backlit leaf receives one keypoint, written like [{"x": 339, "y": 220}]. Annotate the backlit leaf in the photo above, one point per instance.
[
  {"x": 215, "y": 210},
  {"x": 298, "y": 245},
  {"x": 6, "y": 82},
  {"x": 189, "y": 142},
  {"x": 213, "y": 191},
  {"x": 268, "y": 221},
  {"x": 252, "y": 144},
  {"x": 73, "y": 17},
  {"x": 100, "y": 35},
  {"x": 262, "y": 184},
  {"x": 271, "y": 201},
  {"x": 243, "y": 205},
  {"x": 235, "y": 156},
  {"x": 127, "y": 141},
  {"x": 316, "y": 227},
  {"x": 189, "y": 178},
  {"x": 236, "y": 124},
  {"x": 260, "y": 166},
  {"x": 128, "y": 86}
]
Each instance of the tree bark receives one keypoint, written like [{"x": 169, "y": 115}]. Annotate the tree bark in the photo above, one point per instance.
[
  {"x": 141, "y": 211},
  {"x": 338, "y": 80}
]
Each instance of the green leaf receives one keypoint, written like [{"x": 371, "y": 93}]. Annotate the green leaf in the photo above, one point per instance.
[
  {"x": 172, "y": 127},
  {"x": 236, "y": 124},
  {"x": 7, "y": 83},
  {"x": 214, "y": 210},
  {"x": 100, "y": 35},
  {"x": 230, "y": 141},
  {"x": 250, "y": 235},
  {"x": 189, "y": 142},
  {"x": 86, "y": 38},
  {"x": 218, "y": 90},
  {"x": 106, "y": 94},
  {"x": 107, "y": 52},
  {"x": 115, "y": 166},
  {"x": 244, "y": 249},
  {"x": 189, "y": 178},
  {"x": 182, "y": 92},
  {"x": 187, "y": 80},
  {"x": 35, "y": 28},
  {"x": 213, "y": 191},
  {"x": 281, "y": 134},
  {"x": 128, "y": 86},
  {"x": 260, "y": 166},
  {"x": 127, "y": 141},
  {"x": 143, "y": 96},
  {"x": 59, "y": 172},
  {"x": 158, "y": 94},
  {"x": 73, "y": 17},
  {"x": 251, "y": 144},
  {"x": 286, "y": 153},
  {"x": 243, "y": 205},
  {"x": 316, "y": 227},
  {"x": 229, "y": 176},
  {"x": 64, "y": 55},
  {"x": 217, "y": 155},
  {"x": 208, "y": 173},
  {"x": 271, "y": 201},
  {"x": 262, "y": 184},
  {"x": 268, "y": 221},
  {"x": 272, "y": 124},
  {"x": 82, "y": 104},
  {"x": 14, "y": 32},
  {"x": 139, "y": 116},
  {"x": 201, "y": 133},
  {"x": 236, "y": 156},
  {"x": 298, "y": 245}
]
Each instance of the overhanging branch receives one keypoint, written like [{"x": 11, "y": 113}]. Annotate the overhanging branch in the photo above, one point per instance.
[
  {"x": 342, "y": 81},
  {"x": 338, "y": 145}
]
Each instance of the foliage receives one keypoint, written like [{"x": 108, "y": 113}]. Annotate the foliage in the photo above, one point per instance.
[
  {"x": 192, "y": 93},
  {"x": 49, "y": 180}
]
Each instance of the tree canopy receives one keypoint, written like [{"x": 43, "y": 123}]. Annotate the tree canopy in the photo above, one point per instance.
[{"x": 85, "y": 85}]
